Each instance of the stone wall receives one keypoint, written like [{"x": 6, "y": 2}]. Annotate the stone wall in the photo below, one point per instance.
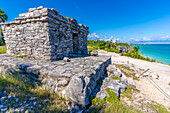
[
  {"x": 42, "y": 33},
  {"x": 74, "y": 80}
]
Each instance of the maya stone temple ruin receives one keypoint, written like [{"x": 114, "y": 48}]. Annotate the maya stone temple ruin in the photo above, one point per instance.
[
  {"x": 46, "y": 37},
  {"x": 44, "y": 34}
]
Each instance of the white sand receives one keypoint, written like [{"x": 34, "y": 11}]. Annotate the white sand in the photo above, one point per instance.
[{"x": 144, "y": 85}]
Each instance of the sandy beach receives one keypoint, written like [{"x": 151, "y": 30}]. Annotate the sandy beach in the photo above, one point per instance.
[{"x": 144, "y": 84}]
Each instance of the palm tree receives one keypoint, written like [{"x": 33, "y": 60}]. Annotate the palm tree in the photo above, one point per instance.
[
  {"x": 3, "y": 18},
  {"x": 136, "y": 50}
]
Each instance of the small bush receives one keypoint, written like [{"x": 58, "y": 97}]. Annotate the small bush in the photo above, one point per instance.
[
  {"x": 3, "y": 49},
  {"x": 115, "y": 78},
  {"x": 21, "y": 56},
  {"x": 110, "y": 104}
]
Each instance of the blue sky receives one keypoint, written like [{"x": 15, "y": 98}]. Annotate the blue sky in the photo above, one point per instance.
[{"x": 139, "y": 21}]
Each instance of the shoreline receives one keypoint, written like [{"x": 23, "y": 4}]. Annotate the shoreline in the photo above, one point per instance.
[
  {"x": 145, "y": 87},
  {"x": 152, "y": 56}
]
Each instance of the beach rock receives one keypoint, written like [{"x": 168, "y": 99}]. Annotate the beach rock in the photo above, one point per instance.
[
  {"x": 154, "y": 75},
  {"x": 102, "y": 96},
  {"x": 113, "y": 85},
  {"x": 76, "y": 90},
  {"x": 137, "y": 75},
  {"x": 146, "y": 74},
  {"x": 117, "y": 74},
  {"x": 123, "y": 79},
  {"x": 110, "y": 70},
  {"x": 62, "y": 82},
  {"x": 94, "y": 53},
  {"x": 131, "y": 82},
  {"x": 113, "y": 71},
  {"x": 33, "y": 69},
  {"x": 66, "y": 59}
]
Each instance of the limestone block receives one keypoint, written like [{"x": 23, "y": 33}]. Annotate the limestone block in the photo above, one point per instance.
[
  {"x": 33, "y": 69},
  {"x": 62, "y": 82},
  {"x": 32, "y": 9},
  {"x": 76, "y": 90},
  {"x": 131, "y": 82}
]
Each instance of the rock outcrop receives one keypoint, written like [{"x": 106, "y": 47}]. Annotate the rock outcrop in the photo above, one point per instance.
[
  {"x": 112, "y": 70},
  {"x": 74, "y": 80}
]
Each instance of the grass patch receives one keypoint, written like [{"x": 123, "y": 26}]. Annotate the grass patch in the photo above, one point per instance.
[
  {"x": 24, "y": 56},
  {"x": 16, "y": 86},
  {"x": 21, "y": 56},
  {"x": 158, "y": 108},
  {"x": 115, "y": 78},
  {"x": 89, "y": 48},
  {"x": 127, "y": 71},
  {"x": 153, "y": 106},
  {"x": 110, "y": 104},
  {"x": 127, "y": 93},
  {"x": 3, "y": 49},
  {"x": 112, "y": 50}
]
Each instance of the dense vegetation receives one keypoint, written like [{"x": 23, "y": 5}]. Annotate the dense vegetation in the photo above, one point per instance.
[
  {"x": 114, "y": 47},
  {"x": 3, "y": 18},
  {"x": 105, "y": 45}
]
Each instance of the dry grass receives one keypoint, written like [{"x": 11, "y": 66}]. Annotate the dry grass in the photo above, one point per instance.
[
  {"x": 127, "y": 71},
  {"x": 16, "y": 86}
]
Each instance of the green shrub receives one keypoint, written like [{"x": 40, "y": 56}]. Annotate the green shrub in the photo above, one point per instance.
[
  {"x": 153, "y": 60},
  {"x": 115, "y": 78},
  {"x": 102, "y": 47},
  {"x": 3, "y": 49},
  {"x": 21, "y": 56},
  {"x": 110, "y": 104},
  {"x": 112, "y": 50},
  {"x": 110, "y": 47}
]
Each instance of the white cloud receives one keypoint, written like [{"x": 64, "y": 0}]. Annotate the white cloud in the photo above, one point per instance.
[
  {"x": 94, "y": 36},
  {"x": 111, "y": 37},
  {"x": 151, "y": 39}
]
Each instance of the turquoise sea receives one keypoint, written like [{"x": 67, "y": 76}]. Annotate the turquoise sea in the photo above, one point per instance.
[{"x": 160, "y": 52}]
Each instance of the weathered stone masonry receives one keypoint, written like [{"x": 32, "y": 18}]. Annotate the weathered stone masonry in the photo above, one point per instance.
[
  {"x": 74, "y": 80},
  {"x": 44, "y": 34}
]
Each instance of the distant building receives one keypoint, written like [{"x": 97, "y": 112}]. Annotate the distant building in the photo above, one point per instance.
[{"x": 114, "y": 40}]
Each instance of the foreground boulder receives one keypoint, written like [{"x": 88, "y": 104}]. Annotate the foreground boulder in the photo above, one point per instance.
[
  {"x": 112, "y": 70},
  {"x": 113, "y": 85}
]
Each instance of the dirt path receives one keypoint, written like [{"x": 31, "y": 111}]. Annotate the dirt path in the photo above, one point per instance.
[{"x": 144, "y": 85}]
